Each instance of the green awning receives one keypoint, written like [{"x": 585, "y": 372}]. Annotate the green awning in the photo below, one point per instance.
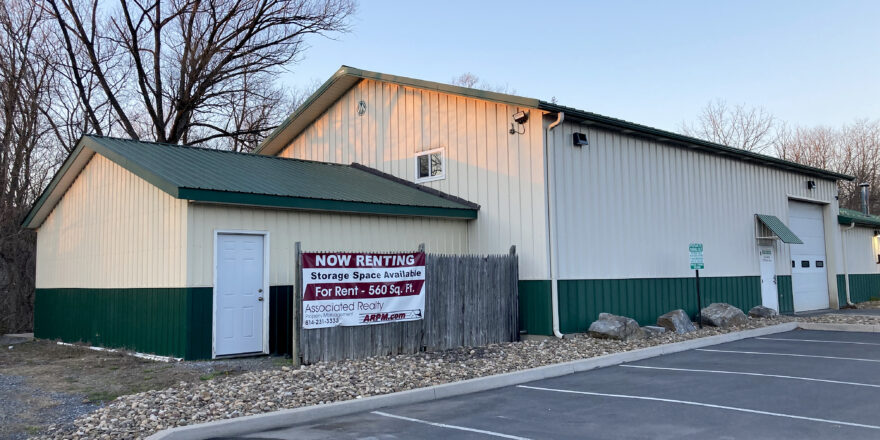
[{"x": 778, "y": 229}]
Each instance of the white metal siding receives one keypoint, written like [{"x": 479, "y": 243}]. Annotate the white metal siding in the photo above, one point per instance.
[
  {"x": 112, "y": 229},
  {"x": 627, "y": 207},
  {"x": 861, "y": 250},
  {"x": 317, "y": 232},
  {"x": 485, "y": 164}
]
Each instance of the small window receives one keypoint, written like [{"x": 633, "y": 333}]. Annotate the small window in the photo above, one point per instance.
[
  {"x": 820, "y": 263},
  {"x": 430, "y": 165},
  {"x": 805, "y": 263}
]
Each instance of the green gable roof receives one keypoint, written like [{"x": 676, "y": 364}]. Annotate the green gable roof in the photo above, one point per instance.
[
  {"x": 850, "y": 216},
  {"x": 217, "y": 176},
  {"x": 347, "y": 77}
]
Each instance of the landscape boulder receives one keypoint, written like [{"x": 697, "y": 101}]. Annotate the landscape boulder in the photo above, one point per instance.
[
  {"x": 723, "y": 315},
  {"x": 676, "y": 321},
  {"x": 610, "y": 326},
  {"x": 762, "y": 312},
  {"x": 653, "y": 330}
]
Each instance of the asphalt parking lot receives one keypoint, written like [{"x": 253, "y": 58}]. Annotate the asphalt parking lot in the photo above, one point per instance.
[{"x": 795, "y": 385}]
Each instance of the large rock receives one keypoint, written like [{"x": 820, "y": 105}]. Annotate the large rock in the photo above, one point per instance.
[
  {"x": 610, "y": 326},
  {"x": 676, "y": 321},
  {"x": 762, "y": 312},
  {"x": 723, "y": 315}
]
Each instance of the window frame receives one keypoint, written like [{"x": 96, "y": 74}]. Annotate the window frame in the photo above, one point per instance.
[{"x": 440, "y": 176}]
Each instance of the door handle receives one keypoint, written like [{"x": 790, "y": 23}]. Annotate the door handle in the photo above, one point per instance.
[{"x": 260, "y": 298}]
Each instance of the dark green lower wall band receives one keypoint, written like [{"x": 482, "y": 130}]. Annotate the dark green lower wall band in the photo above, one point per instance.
[
  {"x": 862, "y": 287},
  {"x": 535, "y": 313},
  {"x": 644, "y": 299},
  {"x": 786, "y": 294},
  {"x": 841, "y": 289},
  {"x": 164, "y": 321}
]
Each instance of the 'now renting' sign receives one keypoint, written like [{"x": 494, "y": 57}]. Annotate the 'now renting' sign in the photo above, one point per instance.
[{"x": 348, "y": 289}]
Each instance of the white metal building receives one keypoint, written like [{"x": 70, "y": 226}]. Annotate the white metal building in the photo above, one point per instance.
[
  {"x": 601, "y": 211},
  {"x": 601, "y": 226}
]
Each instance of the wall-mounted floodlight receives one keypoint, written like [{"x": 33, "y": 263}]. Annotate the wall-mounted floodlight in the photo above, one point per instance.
[
  {"x": 811, "y": 184},
  {"x": 520, "y": 117}
]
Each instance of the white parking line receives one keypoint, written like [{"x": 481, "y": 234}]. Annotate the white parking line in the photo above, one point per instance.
[
  {"x": 819, "y": 340},
  {"x": 444, "y": 425},
  {"x": 707, "y": 405},
  {"x": 779, "y": 376},
  {"x": 788, "y": 354}
]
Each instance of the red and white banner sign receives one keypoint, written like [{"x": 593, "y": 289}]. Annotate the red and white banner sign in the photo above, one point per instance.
[{"x": 361, "y": 289}]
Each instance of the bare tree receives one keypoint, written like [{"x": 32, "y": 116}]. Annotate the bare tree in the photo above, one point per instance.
[
  {"x": 168, "y": 70},
  {"x": 747, "y": 128},
  {"x": 24, "y": 86},
  {"x": 814, "y": 146},
  {"x": 472, "y": 81}
]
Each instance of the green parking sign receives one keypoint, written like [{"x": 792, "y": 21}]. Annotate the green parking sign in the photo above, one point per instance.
[{"x": 696, "y": 254}]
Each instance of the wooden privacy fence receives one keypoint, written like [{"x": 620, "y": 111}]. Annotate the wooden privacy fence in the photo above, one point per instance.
[{"x": 469, "y": 301}]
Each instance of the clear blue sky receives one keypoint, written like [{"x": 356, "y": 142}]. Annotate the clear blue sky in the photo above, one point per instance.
[{"x": 653, "y": 62}]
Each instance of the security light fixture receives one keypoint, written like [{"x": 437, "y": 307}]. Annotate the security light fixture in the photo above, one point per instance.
[
  {"x": 520, "y": 117},
  {"x": 811, "y": 184},
  {"x": 876, "y": 233}
]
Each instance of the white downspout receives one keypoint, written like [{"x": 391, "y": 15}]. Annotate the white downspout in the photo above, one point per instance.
[
  {"x": 845, "y": 269},
  {"x": 551, "y": 218}
]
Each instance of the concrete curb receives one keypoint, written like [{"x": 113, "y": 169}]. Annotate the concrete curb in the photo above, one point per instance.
[
  {"x": 863, "y": 328},
  {"x": 289, "y": 417}
]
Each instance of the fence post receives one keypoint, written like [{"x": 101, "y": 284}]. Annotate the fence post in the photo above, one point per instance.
[
  {"x": 421, "y": 247},
  {"x": 513, "y": 249},
  {"x": 297, "y": 298}
]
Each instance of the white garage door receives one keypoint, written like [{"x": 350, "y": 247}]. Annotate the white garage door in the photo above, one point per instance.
[{"x": 809, "y": 278}]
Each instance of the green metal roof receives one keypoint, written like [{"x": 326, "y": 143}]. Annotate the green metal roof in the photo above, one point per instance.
[
  {"x": 218, "y": 176},
  {"x": 779, "y": 229},
  {"x": 692, "y": 142},
  {"x": 850, "y": 216},
  {"x": 347, "y": 77}
]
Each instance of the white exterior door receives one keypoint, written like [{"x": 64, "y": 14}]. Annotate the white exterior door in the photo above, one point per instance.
[
  {"x": 809, "y": 277},
  {"x": 239, "y": 296},
  {"x": 769, "y": 293}
]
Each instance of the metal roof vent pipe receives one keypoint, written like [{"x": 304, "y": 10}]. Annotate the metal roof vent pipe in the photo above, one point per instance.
[{"x": 864, "y": 187}]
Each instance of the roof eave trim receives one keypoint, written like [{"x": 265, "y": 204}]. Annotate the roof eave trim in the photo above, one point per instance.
[
  {"x": 90, "y": 143},
  {"x": 307, "y": 204},
  {"x": 847, "y": 220},
  {"x": 709, "y": 147},
  {"x": 424, "y": 189},
  {"x": 300, "y": 110},
  {"x": 50, "y": 188},
  {"x": 346, "y": 71}
]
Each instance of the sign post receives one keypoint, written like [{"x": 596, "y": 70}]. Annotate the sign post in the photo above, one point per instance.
[
  {"x": 696, "y": 258},
  {"x": 297, "y": 304}
]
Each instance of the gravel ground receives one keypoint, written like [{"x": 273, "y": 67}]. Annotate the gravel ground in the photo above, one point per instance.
[
  {"x": 24, "y": 406},
  {"x": 139, "y": 415}
]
